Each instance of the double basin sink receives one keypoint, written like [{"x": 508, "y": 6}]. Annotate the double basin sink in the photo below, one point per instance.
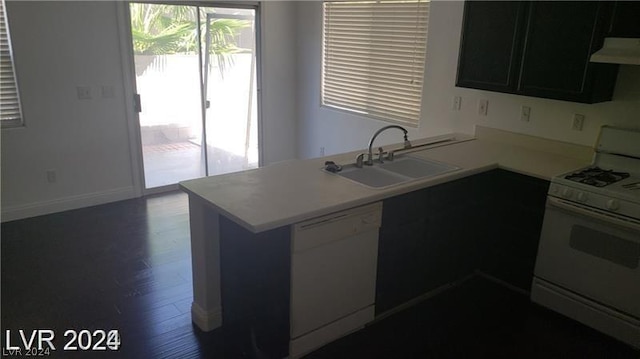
[{"x": 401, "y": 170}]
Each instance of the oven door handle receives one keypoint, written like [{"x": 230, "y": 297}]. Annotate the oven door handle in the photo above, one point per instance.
[{"x": 625, "y": 222}]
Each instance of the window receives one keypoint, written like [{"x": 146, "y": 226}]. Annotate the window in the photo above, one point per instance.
[
  {"x": 10, "y": 113},
  {"x": 374, "y": 58}
]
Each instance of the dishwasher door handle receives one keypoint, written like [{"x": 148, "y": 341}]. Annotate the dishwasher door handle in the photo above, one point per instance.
[
  {"x": 320, "y": 231},
  {"x": 371, "y": 218}
]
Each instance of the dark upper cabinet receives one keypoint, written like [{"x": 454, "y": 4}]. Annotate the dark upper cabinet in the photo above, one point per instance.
[
  {"x": 561, "y": 36},
  {"x": 538, "y": 49},
  {"x": 490, "y": 56},
  {"x": 625, "y": 21}
]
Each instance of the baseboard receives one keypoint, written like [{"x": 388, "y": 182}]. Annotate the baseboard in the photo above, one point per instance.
[
  {"x": 443, "y": 288},
  {"x": 430, "y": 294},
  {"x": 11, "y": 213},
  {"x": 206, "y": 320},
  {"x": 503, "y": 283}
]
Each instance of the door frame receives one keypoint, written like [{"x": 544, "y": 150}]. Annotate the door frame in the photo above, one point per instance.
[{"x": 130, "y": 88}]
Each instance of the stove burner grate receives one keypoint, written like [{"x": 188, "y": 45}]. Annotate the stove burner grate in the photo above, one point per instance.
[{"x": 596, "y": 176}]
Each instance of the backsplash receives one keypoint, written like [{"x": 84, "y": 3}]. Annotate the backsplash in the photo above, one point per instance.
[{"x": 551, "y": 119}]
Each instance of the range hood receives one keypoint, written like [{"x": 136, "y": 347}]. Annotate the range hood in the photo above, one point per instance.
[{"x": 618, "y": 50}]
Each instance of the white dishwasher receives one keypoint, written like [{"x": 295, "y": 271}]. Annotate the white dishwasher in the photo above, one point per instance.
[{"x": 333, "y": 276}]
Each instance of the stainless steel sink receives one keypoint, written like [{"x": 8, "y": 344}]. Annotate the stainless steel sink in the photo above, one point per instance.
[
  {"x": 371, "y": 176},
  {"x": 402, "y": 169},
  {"x": 416, "y": 168}
]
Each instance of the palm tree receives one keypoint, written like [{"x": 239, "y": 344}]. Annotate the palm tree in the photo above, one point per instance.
[
  {"x": 159, "y": 29},
  {"x": 156, "y": 32}
]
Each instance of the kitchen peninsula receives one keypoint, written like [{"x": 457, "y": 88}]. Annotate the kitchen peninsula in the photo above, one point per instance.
[{"x": 242, "y": 226}]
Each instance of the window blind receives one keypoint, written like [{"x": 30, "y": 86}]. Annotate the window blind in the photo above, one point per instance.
[
  {"x": 374, "y": 58},
  {"x": 10, "y": 113}
]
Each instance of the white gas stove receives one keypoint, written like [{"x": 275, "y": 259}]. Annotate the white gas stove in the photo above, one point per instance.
[
  {"x": 603, "y": 188},
  {"x": 588, "y": 262},
  {"x": 612, "y": 183}
]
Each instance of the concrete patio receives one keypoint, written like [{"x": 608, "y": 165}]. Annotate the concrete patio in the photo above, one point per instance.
[{"x": 171, "y": 118}]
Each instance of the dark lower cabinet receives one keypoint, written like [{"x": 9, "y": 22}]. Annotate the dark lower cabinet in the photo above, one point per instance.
[
  {"x": 431, "y": 237},
  {"x": 537, "y": 48},
  {"x": 404, "y": 264},
  {"x": 255, "y": 271},
  {"x": 511, "y": 238}
]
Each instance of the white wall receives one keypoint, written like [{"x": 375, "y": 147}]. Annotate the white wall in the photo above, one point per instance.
[
  {"x": 61, "y": 45},
  {"x": 278, "y": 81},
  {"x": 339, "y": 132},
  {"x": 57, "y": 47}
]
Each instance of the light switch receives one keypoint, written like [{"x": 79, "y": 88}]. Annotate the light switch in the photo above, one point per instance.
[
  {"x": 107, "y": 91},
  {"x": 84, "y": 92}
]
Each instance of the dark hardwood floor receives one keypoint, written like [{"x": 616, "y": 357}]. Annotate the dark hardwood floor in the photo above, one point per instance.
[
  {"x": 124, "y": 266},
  {"x": 127, "y": 266},
  {"x": 478, "y": 319}
]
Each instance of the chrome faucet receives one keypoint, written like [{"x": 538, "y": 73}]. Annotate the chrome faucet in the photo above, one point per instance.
[{"x": 407, "y": 144}]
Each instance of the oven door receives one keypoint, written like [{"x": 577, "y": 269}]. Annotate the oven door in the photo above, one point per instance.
[{"x": 591, "y": 253}]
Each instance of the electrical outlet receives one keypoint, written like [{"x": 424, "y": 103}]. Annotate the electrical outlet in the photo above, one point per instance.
[
  {"x": 84, "y": 92},
  {"x": 51, "y": 176},
  {"x": 457, "y": 102},
  {"x": 483, "y": 107},
  {"x": 525, "y": 113},
  {"x": 322, "y": 151},
  {"x": 578, "y": 122}
]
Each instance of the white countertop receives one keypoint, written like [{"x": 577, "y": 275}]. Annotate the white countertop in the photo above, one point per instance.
[{"x": 292, "y": 191}]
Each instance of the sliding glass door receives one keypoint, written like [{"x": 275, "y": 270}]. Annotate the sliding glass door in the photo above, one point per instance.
[{"x": 196, "y": 81}]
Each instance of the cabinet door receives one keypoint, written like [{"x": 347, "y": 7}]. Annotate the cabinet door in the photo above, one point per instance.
[
  {"x": 560, "y": 38},
  {"x": 490, "y": 45},
  {"x": 428, "y": 239},
  {"x": 625, "y": 20},
  {"x": 511, "y": 242},
  {"x": 254, "y": 279},
  {"x": 404, "y": 264}
]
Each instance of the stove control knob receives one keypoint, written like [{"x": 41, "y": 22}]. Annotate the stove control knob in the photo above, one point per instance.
[
  {"x": 613, "y": 204},
  {"x": 582, "y": 197},
  {"x": 567, "y": 192}
]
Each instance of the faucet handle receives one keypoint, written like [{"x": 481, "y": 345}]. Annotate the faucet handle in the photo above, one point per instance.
[
  {"x": 380, "y": 154},
  {"x": 360, "y": 160}
]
